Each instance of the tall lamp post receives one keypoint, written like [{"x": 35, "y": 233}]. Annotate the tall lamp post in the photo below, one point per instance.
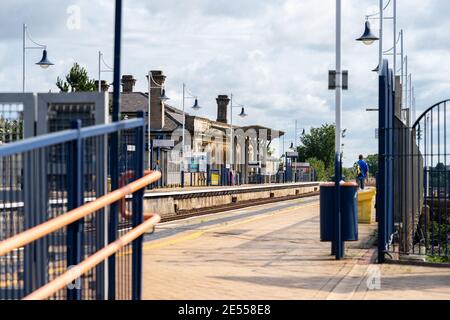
[
  {"x": 338, "y": 245},
  {"x": 44, "y": 63},
  {"x": 101, "y": 62},
  {"x": 152, "y": 84},
  {"x": 242, "y": 115},
  {"x": 368, "y": 38},
  {"x": 195, "y": 107}
]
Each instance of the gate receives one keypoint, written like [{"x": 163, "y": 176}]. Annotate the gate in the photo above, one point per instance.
[{"x": 413, "y": 179}]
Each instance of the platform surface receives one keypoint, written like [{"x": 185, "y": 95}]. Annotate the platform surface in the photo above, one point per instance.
[{"x": 273, "y": 252}]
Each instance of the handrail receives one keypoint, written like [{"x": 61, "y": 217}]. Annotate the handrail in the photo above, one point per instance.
[
  {"x": 69, "y": 276},
  {"x": 57, "y": 223},
  {"x": 122, "y": 202}
]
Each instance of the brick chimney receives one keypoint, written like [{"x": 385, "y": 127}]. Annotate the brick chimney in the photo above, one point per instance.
[
  {"x": 157, "y": 107},
  {"x": 128, "y": 83},
  {"x": 222, "y": 108},
  {"x": 104, "y": 85}
]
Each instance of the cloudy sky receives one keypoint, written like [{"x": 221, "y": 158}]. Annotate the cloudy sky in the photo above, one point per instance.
[{"x": 273, "y": 55}]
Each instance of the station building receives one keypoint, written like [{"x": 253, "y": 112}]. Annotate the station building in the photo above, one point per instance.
[{"x": 205, "y": 137}]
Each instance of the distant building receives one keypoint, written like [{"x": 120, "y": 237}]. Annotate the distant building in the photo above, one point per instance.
[{"x": 205, "y": 136}]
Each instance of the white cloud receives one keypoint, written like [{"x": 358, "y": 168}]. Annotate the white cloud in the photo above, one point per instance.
[{"x": 273, "y": 55}]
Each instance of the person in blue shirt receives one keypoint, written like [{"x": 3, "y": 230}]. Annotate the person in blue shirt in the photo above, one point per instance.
[{"x": 362, "y": 172}]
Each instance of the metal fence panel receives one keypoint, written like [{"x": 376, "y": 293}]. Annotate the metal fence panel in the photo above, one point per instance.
[{"x": 58, "y": 177}]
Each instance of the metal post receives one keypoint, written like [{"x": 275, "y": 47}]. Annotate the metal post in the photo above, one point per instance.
[
  {"x": 382, "y": 207},
  {"x": 149, "y": 125},
  {"x": 114, "y": 165},
  {"x": 24, "y": 57},
  {"x": 380, "y": 60},
  {"x": 182, "y": 146},
  {"x": 402, "y": 55},
  {"x": 231, "y": 132},
  {"x": 296, "y": 150},
  {"x": 410, "y": 101},
  {"x": 413, "y": 105},
  {"x": 75, "y": 199},
  {"x": 338, "y": 236},
  {"x": 395, "y": 43},
  {"x": 284, "y": 165},
  {"x": 99, "y": 71},
  {"x": 138, "y": 213},
  {"x": 406, "y": 83}
]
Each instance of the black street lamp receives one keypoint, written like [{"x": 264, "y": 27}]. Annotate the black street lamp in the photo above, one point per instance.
[{"x": 368, "y": 37}]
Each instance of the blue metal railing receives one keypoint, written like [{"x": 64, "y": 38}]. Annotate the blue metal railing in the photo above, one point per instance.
[{"x": 46, "y": 176}]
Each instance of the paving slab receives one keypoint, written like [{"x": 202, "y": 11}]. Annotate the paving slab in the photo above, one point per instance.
[{"x": 274, "y": 252}]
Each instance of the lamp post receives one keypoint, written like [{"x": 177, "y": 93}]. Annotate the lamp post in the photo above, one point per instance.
[
  {"x": 114, "y": 159},
  {"x": 152, "y": 84},
  {"x": 100, "y": 70},
  {"x": 368, "y": 38},
  {"x": 44, "y": 63},
  {"x": 195, "y": 107},
  {"x": 242, "y": 115},
  {"x": 338, "y": 244}
]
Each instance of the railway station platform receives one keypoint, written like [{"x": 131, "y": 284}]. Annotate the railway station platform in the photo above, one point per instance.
[
  {"x": 170, "y": 203},
  {"x": 273, "y": 251}
]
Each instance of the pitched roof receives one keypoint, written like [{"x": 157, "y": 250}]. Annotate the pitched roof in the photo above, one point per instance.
[{"x": 133, "y": 102}]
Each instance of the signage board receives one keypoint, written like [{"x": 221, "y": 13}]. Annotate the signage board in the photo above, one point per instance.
[
  {"x": 215, "y": 178},
  {"x": 196, "y": 162},
  {"x": 254, "y": 164},
  {"x": 163, "y": 143}
]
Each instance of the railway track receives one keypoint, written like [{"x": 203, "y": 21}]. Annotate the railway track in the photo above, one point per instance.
[{"x": 233, "y": 206}]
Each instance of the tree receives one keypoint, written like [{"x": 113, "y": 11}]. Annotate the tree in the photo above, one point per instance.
[
  {"x": 10, "y": 130},
  {"x": 372, "y": 161},
  {"x": 322, "y": 173},
  {"x": 349, "y": 174},
  {"x": 319, "y": 144},
  {"x": 76, "y": 80}
]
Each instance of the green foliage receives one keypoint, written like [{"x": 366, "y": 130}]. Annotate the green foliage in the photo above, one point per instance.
[
  {"x": 319, "y": 143},
  {"x": 348, "y": 174},
  {"x": 10, "y": 130},
  {"x": 317, "y": 148},
  {"x": 322, "y": 173},
  {"x": 439, "y": 233},
  {"x": 372, "y": 161},
  {"x": 438, "y": 259},
  {"x": 77, "y": 80}
]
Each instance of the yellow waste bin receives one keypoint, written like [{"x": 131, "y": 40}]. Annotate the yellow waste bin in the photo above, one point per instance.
[{"x": 366, "y": 205}]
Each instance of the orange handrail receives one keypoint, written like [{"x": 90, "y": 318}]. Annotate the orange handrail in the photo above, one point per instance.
[
  {"x": 57, "y": 223},
  {"x": 122, "y": 202},
  {"x": 63, "y": 280}
]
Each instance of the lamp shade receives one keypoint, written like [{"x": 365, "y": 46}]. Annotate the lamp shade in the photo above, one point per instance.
[
  {"x": 368, "y": 37},
  {"x": 163, "y": 96},
  {"x": 196, "y": 106},
  {"x": 242, "y": 114},
  {"x": 44, "y": 63}
]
